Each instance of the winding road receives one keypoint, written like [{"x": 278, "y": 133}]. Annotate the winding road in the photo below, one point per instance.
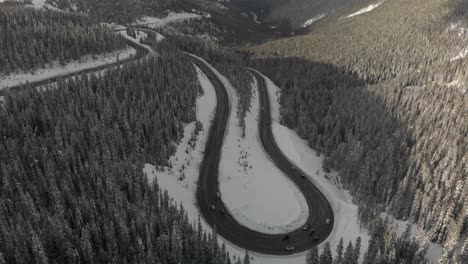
[
  {"x": 321, "y": 213},
  {"x": 141, "y": 52},
  {"x": 321, "y": 217}
]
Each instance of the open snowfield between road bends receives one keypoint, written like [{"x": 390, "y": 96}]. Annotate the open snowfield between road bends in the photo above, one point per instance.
[
  {"x": 258, "y": 195},
  {"x": 73, "y": 66}
]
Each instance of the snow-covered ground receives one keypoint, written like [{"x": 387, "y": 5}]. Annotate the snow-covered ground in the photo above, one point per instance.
[
  {"x": 139, "y": 36},
  {"x": 365, "y": 9},
  {"x": 73, "y": 66},
  {"x": 252, "y": 187},
  {"x": 41, "y": 4},
  {"x": 172, "y": 17},
  {"x": 38, "y": 3},
  {"x": 313, "y": 20}
]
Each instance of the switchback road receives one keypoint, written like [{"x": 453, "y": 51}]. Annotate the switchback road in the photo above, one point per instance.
[{"x": 320, "y": 219}]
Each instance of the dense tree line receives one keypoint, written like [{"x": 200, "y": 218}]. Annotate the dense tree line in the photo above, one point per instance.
[
  {"x": 32, "y": 38},
  {"x": 119, "y": 11},
  {"x": 71, "y": 183},
  {"x": 226, "y": 61},
  {"x": 205, "y": 30},
  {"x": 350, "y": 255},
  {"x": 388, "y": 107},
  {"x": 385, "y": 247}
]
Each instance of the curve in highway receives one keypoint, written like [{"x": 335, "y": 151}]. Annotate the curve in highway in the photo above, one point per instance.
[
  {"x": 142, "y": 51},
  {"x": 320, "y": 219}
]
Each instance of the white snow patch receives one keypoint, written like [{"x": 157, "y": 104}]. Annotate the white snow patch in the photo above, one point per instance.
[
  {"x": 38, "y": 3},
  {"x": 366, "y": 9},
  {"x": 57, "y": 70},
  {"x": 313, "y": 20},
  {"x": 252, "y": 187},
  {"x": 41, "y": 4},
  {"x": 172, "y": 17}
]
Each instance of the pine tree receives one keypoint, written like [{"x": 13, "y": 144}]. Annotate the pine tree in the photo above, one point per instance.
[
  {"x": 349, "y": 255},
  {"x": 357, "y": 250},
  {"x": 312, "y": 256},
  {"x": 326, "y": 256},
  {"x": 339, "y": 252},
  {"x": 246, "y": 258}
]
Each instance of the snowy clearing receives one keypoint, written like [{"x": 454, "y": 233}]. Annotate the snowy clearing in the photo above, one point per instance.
[
  {"x": 366, "y": 9},
  {"x": 43, "y": 4},
  {"x": 313, "y": 20},
  {"x": 252, "y": 187},
  {"x": 154, "y": 22},
  {"x": 38, "y": 3},
  {"x": 73, "y": 66}
]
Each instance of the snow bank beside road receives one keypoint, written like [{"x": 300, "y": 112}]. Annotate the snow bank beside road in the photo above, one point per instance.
[{"x": 73, "y": 66}]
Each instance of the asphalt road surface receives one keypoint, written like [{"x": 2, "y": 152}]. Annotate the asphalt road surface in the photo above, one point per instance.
[{"x": 225, "y": 225}]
